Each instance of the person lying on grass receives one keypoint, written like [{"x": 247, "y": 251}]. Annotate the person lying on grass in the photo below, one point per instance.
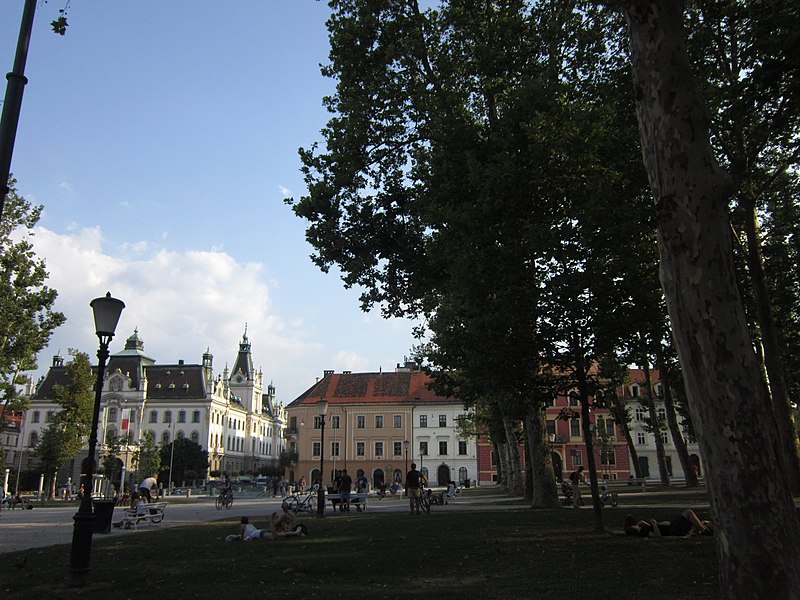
[
  {"x": 249, "y": 532},
  {"x": 684, "y": 524}
]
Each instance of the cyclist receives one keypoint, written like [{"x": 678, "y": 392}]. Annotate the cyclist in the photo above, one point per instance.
[{"x": 226, "y": 493}]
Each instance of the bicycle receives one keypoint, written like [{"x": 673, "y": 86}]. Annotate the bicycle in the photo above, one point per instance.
[
  {"x": 425, "y": 500},
  {"x": 224, "y": 500},
  {"x": 303, "y": 503}
]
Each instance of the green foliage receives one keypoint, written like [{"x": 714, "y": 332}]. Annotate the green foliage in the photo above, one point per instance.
[
  {"x": 147, "y": 457},
  {"x": 287, "y": 459},
  {"x": 27, "y": 318},
  {"x": 188, "y": 456},
  {"x": 63, "y": 439}
]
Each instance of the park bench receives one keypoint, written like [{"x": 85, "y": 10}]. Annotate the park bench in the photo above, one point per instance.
[
  {"x": 358, "y": 499},
  {"x": 149, "y": 513},
  {"x": 622, "y": 485}
]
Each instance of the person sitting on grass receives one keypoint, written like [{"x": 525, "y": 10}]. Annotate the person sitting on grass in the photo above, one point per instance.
[
  {"x": 684, "y": 524},
  {"x": 249, "y": 532}
]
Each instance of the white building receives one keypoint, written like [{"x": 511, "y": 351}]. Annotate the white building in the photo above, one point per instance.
[{"x": 232, "y": 415}]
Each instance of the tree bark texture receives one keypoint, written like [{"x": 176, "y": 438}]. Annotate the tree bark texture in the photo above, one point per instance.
[
  {"x": 514, "y": 472},
  {"x": 784, "y": 415},
  {"x": 757, "y": 530},
  {"x": 545, "y": 491},
  {"x": 622, "y": 421}
]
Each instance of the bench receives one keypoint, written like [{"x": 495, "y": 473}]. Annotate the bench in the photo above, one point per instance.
[
  {"x": 149, "y": 513},
  {"x": 359, "y": 499},
  {"x": 621, "y": 485}
]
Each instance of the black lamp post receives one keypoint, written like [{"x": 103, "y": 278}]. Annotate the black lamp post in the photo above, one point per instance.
[
  {"x": 106, "y": 316},
  {"x": 322, "y": 408}
]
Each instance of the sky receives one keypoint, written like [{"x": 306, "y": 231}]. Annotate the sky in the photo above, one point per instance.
[{"x": 161, "y": 137}]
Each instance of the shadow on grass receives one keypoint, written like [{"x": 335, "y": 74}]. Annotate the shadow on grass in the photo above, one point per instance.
[{"x": 447, "y": 554}]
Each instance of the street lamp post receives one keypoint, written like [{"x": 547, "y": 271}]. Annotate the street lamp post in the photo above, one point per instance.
[
  {"x": 322, "y": 408},
  {"x": 106, "y": 316}
]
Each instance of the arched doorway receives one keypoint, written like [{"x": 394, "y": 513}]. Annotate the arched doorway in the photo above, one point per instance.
[
  {"x": 443, "y": 475},
  {"x": 314, "y": 476},
  {"x": 463, "y": 476},
  {"x": 378, "y": 477},
  {"x": 695, "y": 460},
  {"x": 558, "y": 465},
  {"x": 397, "y": 476}
]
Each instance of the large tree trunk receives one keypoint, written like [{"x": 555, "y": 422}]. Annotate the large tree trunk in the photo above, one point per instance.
[
  {"x": 586, "y": 425},
  {"x": 758, "y": 535},
  {"x": 545, "y": 491},
  {"x": 655, "y": 425},
  {"x": 784, "y": 416},
  {"x": 622, "y": 421},
  {"x": 674, "y": 428},
  {"x": 513, "y": 473}
]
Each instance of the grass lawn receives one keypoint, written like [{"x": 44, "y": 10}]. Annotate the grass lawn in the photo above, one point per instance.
[{"x": 517, "y": 553}]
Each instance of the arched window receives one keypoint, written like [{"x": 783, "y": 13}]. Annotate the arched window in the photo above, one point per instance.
[
  {"x": 112, "y": 414},
  {"x": 181, "y": 416},
  {"x": 167, "y": 416},
  {"x": 165, "y": 438},
  {"x": 154, "y": 416},
  {"x": 180, "y": 435},
  {"x": 195, "y": 437},
  {"x": 111, "y": 433},
  {"x": 196, "y": 416},
  {"x": 34, "y": 439}
]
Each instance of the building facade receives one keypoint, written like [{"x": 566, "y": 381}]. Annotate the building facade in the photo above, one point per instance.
[
  {"x": 377, "y": 424},
  {"x": 232, "y": 415},
  {"x": 612, "y": 455}
]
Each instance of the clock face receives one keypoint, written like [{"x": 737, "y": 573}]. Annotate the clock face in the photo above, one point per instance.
[{"x": 238, "y": 379}]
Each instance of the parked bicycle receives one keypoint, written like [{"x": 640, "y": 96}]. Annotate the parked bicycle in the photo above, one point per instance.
[
  {"x": 225, "y": 499},
  {"x": 303, "y": 502}
]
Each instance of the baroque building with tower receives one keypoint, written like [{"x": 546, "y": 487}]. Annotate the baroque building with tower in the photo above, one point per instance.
[{"x": 233, "y": 415}]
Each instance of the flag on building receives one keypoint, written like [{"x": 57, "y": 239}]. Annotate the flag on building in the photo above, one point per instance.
[{"x": 126, "y": 417}]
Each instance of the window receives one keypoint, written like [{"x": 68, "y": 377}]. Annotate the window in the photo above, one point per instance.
[
  {"x": 577, "y": 458},
  {"x": 36, "y": 416},
  {"x": 133, "y": 415},
  {"x": 662, "y": 414},
  {"x": 659, "y": 390},
  {"x": 378, "y": 421},
  {"x": 638, "y": 414},
  {"x": 575, "y": 428},
  {"x": 665, "y": 437},
  {"x": 635, "y": 390},
  {"x": 49, "y": 416},
  {"x": 181, "y": 416},
  {"x": 361, "y": 421},
  {"x": 334, "y": 448},
  {"x": 573, "y": 399},
  {"x": 608, "y": 457},
  {"x": 165, "y": 438},
  {"x": 315, "y": 448},
  {"x": 359, "y": 448},
  {"x": 610, "y": 429},
  {"x": 180, "y": 435},
  {"x": 462, "y": 447},
  {"x": 423, "y": 448},
  {"x": 195, "y": 437},
  {"x": 317, "y": 422},
  {"x": 398, "y": 421},
  {"x": 34, "y": 439},
  {"x": 112, "y": 414},
  {"x": 378, "y": 449},
  {"x": 423, "y": 420},
  {"x": 641, "y": 439},
  {"x": 167, "y": 416},
  {"x": 196, "y": 416},
  {"x": 154, "y": 416},
  {"x": 398, "y": 448},
  {"x": 334, "y": 421},
  {"x": 442, "y": 420},
  {"x": 442, "y": 448}
]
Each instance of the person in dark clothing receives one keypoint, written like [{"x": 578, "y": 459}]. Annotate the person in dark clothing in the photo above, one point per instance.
[
  {"x": 684, "y": 524},
  {"x": 345, "y": 485},
  {"x": 413, "y": 479}
]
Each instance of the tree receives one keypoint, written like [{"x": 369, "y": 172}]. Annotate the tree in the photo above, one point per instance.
[
  {"x": 63, "y": 439},
  {"x": 187, "y": 456},
  {"x": 27, "y": 318},
  {"x": 147, "y": 457},
  {"x": 759, "y": 536}
]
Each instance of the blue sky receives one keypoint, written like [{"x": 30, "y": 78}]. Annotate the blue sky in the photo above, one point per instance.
[{"x": 161, "y": 138}]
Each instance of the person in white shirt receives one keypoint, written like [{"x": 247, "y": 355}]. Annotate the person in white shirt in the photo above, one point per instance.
[{"x": 250, "y": 532}]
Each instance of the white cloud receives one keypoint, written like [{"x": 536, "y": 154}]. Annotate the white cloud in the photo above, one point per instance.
[
  {"x": 285, "y": 192},
  {"x": 182, "y": 302}
]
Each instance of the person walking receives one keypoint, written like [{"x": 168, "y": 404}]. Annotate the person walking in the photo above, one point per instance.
[
  {"x": 413, "y": 479},
  {"x": 345, "y": 485},
  {"x": 575, "y": 478}
]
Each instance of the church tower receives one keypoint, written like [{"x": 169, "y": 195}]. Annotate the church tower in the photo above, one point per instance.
[{"x": 245, "y": 383}]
